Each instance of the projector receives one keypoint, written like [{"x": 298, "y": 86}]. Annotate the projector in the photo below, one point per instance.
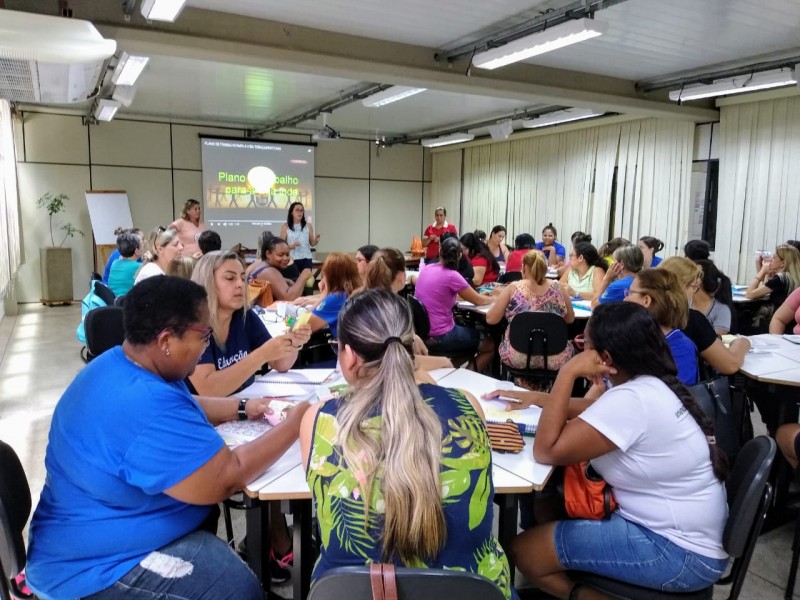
[{"x": 326, "y": 133}]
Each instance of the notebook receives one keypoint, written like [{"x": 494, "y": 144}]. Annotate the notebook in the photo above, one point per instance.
[
  {"x": 303, "y": 377},
  {"x": 526, "y": 419}
]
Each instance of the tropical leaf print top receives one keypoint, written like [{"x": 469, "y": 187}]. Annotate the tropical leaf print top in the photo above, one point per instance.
[{"x": 349, "y": 538}]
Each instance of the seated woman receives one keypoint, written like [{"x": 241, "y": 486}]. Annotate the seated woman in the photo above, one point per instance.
[
  {"x": 340, "y": 279},
  {"x": 787, "y": 318},
  {"x": 363, "y": 257},
  {"x": 123, "y": 270},
  {"x": 607, "y": 250},
  {"x": 576, "y": 238},
  {"x": 619, "y": 276},
  {"x": 380, "y": 460},
  {"x": 162, "y": 246},
  {"x": 726, "y": 360},
  {"x": 496, "y": 246},
  {"x": 713, "y": 297},
  {"x": 652, "y": 443},
  {"x": 241, "y": 344},
  {"x": 534, "y": 292},
  {"x": 272, "y": 264},
  {"x": 659, "y": 291},
  {"x": 438, "y": 286},
  {"x": 584, "y": 276},
  {"x": 132, "y": 476},
  {"x": 522, "y": 244},
  {"x": 778, "y": 275},
  {"x": 182, "y": 266},
  {"x": 650, "y": 246},
  {"x": 554, "y": 252},
  {"x": 485, "y": 266}
]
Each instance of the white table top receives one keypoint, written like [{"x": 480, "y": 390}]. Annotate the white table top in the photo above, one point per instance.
[
  {"x": 773, "y": 359},
  {"x": 582, "y": 308}
]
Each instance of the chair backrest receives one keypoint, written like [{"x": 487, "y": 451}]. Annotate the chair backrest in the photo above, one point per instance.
[
  {"x": 749, "y": 496},
  {"x": 353, "y": 583},
  {"x": 510, "y": 276},
  {"x": 104, "y": 329},
  {"x": 15, "y": 508},
  {"x": 104, "y": 292},
  {"x": 422, "y": 325},
  {"x": 538, "y": 334}
]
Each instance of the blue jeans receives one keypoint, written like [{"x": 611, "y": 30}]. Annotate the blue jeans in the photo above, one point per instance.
[
  {"x": 198, "y": 566},
  {"x": 625, "y": 551},
  {"x": 458, "y": 338}
]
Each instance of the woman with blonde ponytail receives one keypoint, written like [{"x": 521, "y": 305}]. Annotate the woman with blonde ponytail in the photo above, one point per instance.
[{"x": 399, "y": 472}]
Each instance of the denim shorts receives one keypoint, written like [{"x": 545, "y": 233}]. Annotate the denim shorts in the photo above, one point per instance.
[
  {"x": 458, "y": 338},
  {"x": 622, "y": 550}
]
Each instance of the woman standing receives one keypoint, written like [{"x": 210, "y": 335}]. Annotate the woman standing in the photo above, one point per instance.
[
  {"x": 585, "y": 273},
  {"x": 162, "y": 246},
  {"x": 496, "y": 246},
  {"x": 189, "y": 227},
  {"x": 272, "y": 264},
  {"x": 553, "y": 251},
  {"x": 381, "y": 460},
  {"x": 653, "y": 444},
  {"x": 485, "y": 266},
  {"x": 434, "y": 231},
  {"x": 534, "y": 292},
  {"x": 299, "y": 235},
  {"x": 649, "y": 247},
  {"x": 126, "y": 504}
]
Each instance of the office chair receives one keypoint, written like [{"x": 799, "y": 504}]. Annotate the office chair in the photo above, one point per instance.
[
  {"x": 104, "y": 330},
  {"x": 15, "y": 508},
  {"x": 536, "y": 334},
  {"x": 749, "y": 497},
  {"x": 420, "y": 584},
  {"x": 509, "y": 277},
  {"x": 422, "y": 327}
]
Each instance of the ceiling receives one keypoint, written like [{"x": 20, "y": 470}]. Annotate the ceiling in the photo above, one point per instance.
[{"x": 256, "y": 62}]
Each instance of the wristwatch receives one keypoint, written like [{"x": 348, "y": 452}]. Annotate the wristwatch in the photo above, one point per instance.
[{"x": 242, "y": 412}]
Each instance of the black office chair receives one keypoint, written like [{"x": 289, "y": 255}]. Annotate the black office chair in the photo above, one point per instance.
[
  {"x": 510, "y": 276},
  {"x": 15, "y": 508},
  {"x": 795, "y": 551},
  {"x": 749, "y": 497},
  {"x": 104, "y": 330},
  {"x": 422, "y": 327},
  {"x": 536, "y": 334},
  {"x": 353, "y": 583}
]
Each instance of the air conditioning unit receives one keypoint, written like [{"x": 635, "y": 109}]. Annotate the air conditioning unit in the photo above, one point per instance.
[{"x": 50, "y": 60}]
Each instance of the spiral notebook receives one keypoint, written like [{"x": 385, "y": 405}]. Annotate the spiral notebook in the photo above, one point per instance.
[
  {"x": 302, "y": 377},
  {"x": 526, "y": 419},
  {"x": 300, "y": 384}
]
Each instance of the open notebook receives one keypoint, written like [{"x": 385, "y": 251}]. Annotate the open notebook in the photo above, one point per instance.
[{"x": 526, "y": 419}]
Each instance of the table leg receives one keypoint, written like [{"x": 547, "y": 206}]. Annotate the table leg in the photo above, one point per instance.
[
  {"x": 304, "y": 554},
  {"x": 259, "y": 539},
  {"x": 507, "y": 524}
]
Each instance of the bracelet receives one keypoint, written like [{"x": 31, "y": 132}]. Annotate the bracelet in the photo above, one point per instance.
[{"x": 242, "y": 412}]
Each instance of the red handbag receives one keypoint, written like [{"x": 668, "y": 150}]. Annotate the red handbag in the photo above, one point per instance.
[{"x": 586, "y": 494}]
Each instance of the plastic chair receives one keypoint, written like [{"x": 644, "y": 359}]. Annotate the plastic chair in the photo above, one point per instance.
[
  {"x": 353, "y": 583},
  {"x": 15, "y": 508},
  {"x": 536, "y": 334},
  {"x": 749, "y": 497},
  {"x": 104, "y": 330}
]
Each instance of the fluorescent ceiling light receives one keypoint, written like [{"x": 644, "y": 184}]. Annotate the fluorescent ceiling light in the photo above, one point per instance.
[
  {"x": 737, "y": 85},
  {"x": 444, "y": 140},
  {"x": 392, "y": 94},
  {"x": 162, "y": 10},
  {"x": 561, "y": 116},
  {"x": 565, "y": 34},
  {"x": 128, "y": 69},
  {"x": 105, "y": 109}
]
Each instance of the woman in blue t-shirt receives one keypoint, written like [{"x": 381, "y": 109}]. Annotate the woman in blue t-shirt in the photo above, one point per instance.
[
  {"x": 619, "y": 276},
  {"x": 340, "y": 278}
]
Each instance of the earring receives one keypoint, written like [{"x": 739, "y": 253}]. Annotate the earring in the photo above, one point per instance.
[{"x": 166, "y": 351}]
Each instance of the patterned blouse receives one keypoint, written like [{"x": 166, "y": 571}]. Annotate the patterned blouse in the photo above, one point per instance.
[
  {"x": 349, "y": 538},
  {"x": 297, "y": 234},
  {"x": 524, "y": 300}
]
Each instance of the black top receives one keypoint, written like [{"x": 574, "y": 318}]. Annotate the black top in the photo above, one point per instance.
[
  {"x": 466, "y": 270},
  {"x": 700, "y": 331},
  {"x": 780, "y": 288}
]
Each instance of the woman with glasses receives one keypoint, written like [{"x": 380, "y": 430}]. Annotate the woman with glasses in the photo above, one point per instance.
[
  {"x": 585, "y": 273},
  {"x": 162, "y": 246},
  {"x": 241, "y": 344},
  {"x": 364, "y": 257},
  {"x": 299, "y": 235},
  {"x": 400, "y": 472},
  {"x": 189, "y": 227},
  {"x": 135, "y": 467}
]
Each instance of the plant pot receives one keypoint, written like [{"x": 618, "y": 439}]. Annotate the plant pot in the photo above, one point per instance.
[{"x": 56, "y": 271}]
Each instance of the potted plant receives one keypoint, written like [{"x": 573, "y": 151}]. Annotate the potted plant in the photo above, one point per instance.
[{"x": 56, "y": 260}]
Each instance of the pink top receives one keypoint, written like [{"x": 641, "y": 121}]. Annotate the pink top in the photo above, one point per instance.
[
  {"x": 187, "y": 234},
  {"x": 437, "y": 288},
  {"x": 793, "y": 302}
]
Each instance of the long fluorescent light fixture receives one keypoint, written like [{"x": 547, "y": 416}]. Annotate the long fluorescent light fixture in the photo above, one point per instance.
[
  {"x": 105, "y": 109},
  {"x": 453, "y": 138},
  {"x": 162, "y": 10},
  {"x": 737, "y": 85},
  {"x": 561, "y": 116},
  {"x": 128, "y": 69},
  {"x": 553, "y": 38},
  {"x": 392, "y": 94}
]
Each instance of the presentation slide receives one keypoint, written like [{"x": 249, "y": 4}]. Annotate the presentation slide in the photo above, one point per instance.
[{"x": 248, "y": 186}]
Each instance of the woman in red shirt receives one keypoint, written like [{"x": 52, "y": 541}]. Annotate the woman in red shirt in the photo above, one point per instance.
[
  {"x": 434, "y": 231},
  {"x": 484, "y": 264}
]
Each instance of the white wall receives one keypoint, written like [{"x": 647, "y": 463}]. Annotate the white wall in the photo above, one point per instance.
[{"x": 365, "y": 194}]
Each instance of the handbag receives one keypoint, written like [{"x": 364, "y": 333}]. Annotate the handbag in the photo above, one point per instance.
[
  {"x": 259, "y": 292},
  {"x": 383, "y": 581},
  {"x": 714, "y": 398},
  {"x": 505, "y": 437},
  {"x": 586, "y": 494}
]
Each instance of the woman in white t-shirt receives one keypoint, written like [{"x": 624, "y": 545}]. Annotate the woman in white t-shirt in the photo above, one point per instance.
[
  {"x": 652, "y": 443},
  {"x": 163, "y": 245}
]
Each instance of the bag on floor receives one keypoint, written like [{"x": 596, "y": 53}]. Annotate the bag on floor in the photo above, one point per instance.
[{"x": 586, "y": 494}]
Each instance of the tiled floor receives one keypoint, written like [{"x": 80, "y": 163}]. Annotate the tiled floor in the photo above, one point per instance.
[{"x": 39, "y": 357}]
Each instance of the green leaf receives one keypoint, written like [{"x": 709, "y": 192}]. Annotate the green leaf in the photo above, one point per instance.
[
  {"x": 343, "y": 484},
  {"x": 454, "y": 483},
  {"x": 479, "y": 501}
]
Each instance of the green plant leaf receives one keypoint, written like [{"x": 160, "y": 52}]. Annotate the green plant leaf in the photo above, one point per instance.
[{"x": 479, "y": 501}]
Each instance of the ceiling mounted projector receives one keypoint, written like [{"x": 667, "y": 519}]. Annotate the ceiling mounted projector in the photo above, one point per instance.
[{"x": 326, "y": 133}]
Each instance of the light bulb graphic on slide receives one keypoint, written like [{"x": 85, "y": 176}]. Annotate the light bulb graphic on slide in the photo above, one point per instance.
[{"x": 261, "y": 179}]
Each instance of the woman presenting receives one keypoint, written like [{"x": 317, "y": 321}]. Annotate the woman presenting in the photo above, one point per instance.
[
  {"x": 300, "y": 236},
  {"x": 189, "y": 226},
  {"x": 134, "y": 465},
  {"x": 434, "y": 231}
]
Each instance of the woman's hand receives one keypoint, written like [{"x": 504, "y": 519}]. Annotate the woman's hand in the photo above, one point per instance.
[
  {"x": 256, "y": 408},
  {"x": 614, "y": 271},
  {"x": 588, "y": 364},
  {"x": 300, "y": 335},
  {"x": 420, "y": 349},
  {"x": 567, "y": 289},
  {"x": 525, "y": 398}
]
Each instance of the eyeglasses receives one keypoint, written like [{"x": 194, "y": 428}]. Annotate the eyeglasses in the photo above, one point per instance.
[
  {"x": 334, "y": 344},
  {"x": 206, "y": 332},
  {"x": 629, "y": 291}
]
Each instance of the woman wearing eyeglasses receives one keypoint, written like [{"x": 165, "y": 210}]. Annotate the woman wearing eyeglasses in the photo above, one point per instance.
[
  {"x": 134, "y": 466},
  {"x": 241, "y": 344}
]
